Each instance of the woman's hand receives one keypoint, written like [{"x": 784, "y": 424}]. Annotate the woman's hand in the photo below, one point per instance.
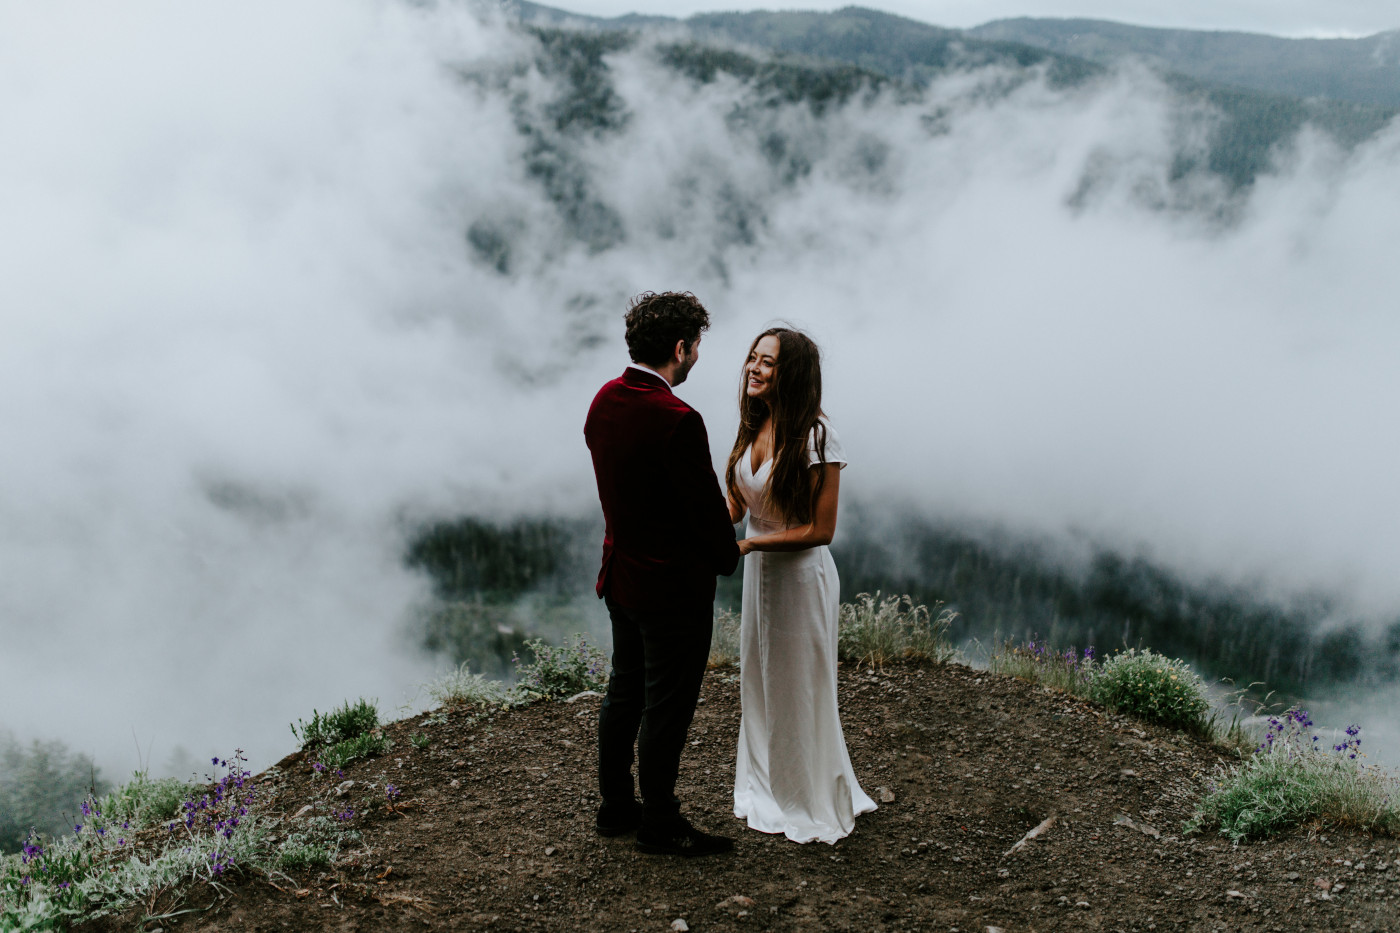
[{"x": 745, "y": 546}]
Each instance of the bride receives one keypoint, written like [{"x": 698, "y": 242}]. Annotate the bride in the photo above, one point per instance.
[{"x": 793, "y": 774}]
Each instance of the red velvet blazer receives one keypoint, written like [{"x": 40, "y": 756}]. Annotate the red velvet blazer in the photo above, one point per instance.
[{"x": 668, "y": 530}]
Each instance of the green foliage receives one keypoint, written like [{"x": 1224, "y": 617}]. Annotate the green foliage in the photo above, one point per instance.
[
  {"x": 108, "y": 860},
  {"x": 145, "y": 800},
  {"x": 876, "y": 631},
  {"x": 315, "y": 847},
  {"x": 901, "y": 48},
  {"x": 350, "y": 721},
  {"x": 780, "y": 81},
  {"x": 1342, "y": 69},
  {"x": 553, "y": 672},
  {"x": 302, "y": 856},
  {"x": 470, "y": 559},
  {"x": 1070, "y": 670},
  {"x": 40, "y": 786},
  {"x": 369, "y": 745},
  {"x": 420, "y": 740},
  {"x": 461, "y": 687},
  {"x": 1291, "y": 781},
  {"x": 343, "y": 735},
  {"x": 724, "y": 638},
  {"x": 560, "y": 670},
  {"x": 1152, "y": 687}
]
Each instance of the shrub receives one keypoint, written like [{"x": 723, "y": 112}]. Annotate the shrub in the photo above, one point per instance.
[
  {"x": 350, "y": 721},
  {"x": 145, "y": 800},
  {"x": 460, "y": 687},
  {"x": 1292, "y": 779},
  {"x": 724, "y": 638},
  {"x": 1153, "y": 687},
  {"x": 340, "y": 754},
  {"x": 559, "y": 670},
  {"x": 875, "y": 631}
]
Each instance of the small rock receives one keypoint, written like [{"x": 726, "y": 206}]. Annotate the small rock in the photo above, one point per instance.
[
  {"x": 1292, "y": 876},
  {"x": 594, "y": 693},
  {"x": 1322, "y": 883},
  {"x": 550, "y": 850},
  {"x": 679, "y": 925},
  {"x": 886, "y": 795},
  {"x": 1082, "y": 904},
  {"x": 994, "y": 930},
  {"x": 454, "y": 783},
  {"x": 1128, "y": 772},
  {"x": 343, "y": 787},
  {"x": 1236, "y": 895}
]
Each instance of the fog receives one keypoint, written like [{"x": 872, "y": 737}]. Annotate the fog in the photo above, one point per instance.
[{"x": 246, "y": 347}]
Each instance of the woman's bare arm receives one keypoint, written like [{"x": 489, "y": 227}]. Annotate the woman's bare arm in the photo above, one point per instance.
[
  {"x": 820, "y": 530},
  {"x": 736, "y": 509}
]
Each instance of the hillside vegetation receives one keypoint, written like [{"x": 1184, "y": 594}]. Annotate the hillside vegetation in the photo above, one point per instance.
[
  {"x": 1362, "y": 71},
  {"x": 1266, "y": 89}
]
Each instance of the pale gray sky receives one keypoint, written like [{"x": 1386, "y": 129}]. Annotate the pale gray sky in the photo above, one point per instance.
[{"x": 1279, "y": 17}]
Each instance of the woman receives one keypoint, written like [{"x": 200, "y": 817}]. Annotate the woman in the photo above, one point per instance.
[{"x": 793, "y": 775}]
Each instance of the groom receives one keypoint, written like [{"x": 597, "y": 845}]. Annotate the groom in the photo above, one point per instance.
[{"x": 668, "y": 535}]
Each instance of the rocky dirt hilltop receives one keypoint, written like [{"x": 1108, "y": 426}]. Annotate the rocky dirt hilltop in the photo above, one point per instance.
[{"x": 491, "y": 829}]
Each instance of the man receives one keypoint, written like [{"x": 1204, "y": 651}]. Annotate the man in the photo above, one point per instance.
[{"x": 668, "y": 535}]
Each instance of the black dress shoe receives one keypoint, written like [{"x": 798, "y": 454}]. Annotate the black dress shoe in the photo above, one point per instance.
[
  {"x": 618, "y": 820},
  {"x": 680, "y": 838}
]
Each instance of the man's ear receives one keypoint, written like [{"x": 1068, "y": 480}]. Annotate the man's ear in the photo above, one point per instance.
[{"x": 678, "y": 354}]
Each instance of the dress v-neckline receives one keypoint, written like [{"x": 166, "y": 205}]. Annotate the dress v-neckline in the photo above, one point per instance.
[{"x": 748, "y": 456}]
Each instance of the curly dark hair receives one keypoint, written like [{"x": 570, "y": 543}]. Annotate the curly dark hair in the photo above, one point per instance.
[{"x": 656, "y": 321}]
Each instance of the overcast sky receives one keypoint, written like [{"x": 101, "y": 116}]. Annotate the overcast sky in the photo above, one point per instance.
[{"x": 1280, "y": 17}]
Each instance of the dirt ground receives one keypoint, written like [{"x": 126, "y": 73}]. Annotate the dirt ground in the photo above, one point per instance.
[{"x": 493, "y": 830}]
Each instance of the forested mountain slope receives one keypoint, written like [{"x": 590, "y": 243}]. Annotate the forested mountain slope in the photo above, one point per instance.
[{"x": 1363, "y": 71}]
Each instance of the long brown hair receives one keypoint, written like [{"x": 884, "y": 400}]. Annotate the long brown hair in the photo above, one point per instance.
[{"x": 795, "y": 404}]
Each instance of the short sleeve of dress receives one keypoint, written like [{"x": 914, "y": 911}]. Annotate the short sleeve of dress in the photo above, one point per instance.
[{"x": 835, "y": 453}]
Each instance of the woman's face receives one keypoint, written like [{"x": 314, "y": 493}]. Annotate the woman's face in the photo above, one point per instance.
[{"x": 762, "y": 367}]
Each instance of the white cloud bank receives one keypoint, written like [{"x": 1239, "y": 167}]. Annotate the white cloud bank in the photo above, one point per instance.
[{"x": 245, "y": 345}]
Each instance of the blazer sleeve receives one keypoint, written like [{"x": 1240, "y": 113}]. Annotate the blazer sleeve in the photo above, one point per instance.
[{"x": 699, "y": 490}]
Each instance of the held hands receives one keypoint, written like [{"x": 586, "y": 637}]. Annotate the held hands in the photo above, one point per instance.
[{"x": 745, "y": 546}]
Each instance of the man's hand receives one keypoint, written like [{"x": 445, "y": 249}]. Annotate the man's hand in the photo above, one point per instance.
[{"x": 744, "y": 546}]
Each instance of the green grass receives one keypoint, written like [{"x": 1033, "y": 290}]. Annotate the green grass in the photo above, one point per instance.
[
  {"x": 145, "y": 800},
  {"x": 461, "y": 687},
  {"x": 871, "y": 631},
  {"x": 1295, "y": 778},
  {"x": 874, "y": 631},
  {"x": 724, "y": 639},
  {"x": 343, "y": 735},
  {"x": 369, "y": 745},
  {"x": 350, "y": 721},
  {"x": 1067, "y": 670}
]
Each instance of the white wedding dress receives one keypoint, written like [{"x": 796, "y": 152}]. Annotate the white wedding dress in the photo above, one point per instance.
[{"x": 793, "y": 775}]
